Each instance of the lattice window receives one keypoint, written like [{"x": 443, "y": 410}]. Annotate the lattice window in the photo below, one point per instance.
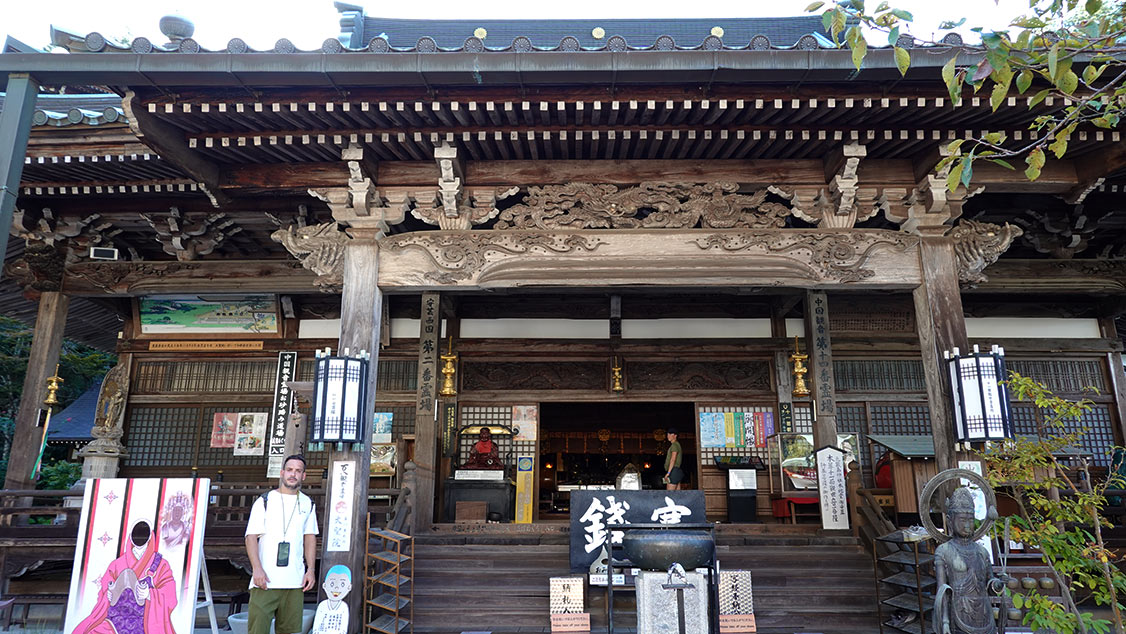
[
  {"x": 863, "y": 319},
  {"x": 890, "y": 375},
  {"x": 900, "y": 419},
  {"x": 803, "y": 419},
  {"x": 707, "y": 454},
  {"x": 227, "y": 377},
  {"x": 1062, "y": 376},
  {"x": 1096, "y": 425},
  {"x": 1025, "y": 420},
  {"x": 162, "y": 436},
  {"x": 402, "y": 421},
  {"x": 395, "y": 375},
  {"x": 851, "y": 419},
  {"x": 490, "y": 415}
]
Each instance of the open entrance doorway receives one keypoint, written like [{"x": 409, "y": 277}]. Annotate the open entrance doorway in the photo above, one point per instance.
[{"x": 587, "y": 446}]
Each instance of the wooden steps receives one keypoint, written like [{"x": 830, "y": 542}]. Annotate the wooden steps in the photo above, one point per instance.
[{"x": 803, "y": 582}]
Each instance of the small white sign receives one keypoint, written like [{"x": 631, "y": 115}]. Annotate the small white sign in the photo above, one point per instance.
[
  {"x": 831, "y": 487},
  {"x": 339, "y": 524},
  {"x": 479, "y": 474},
  {"x": 600, "y": 579},
  {"x": 742, "y": 479}
]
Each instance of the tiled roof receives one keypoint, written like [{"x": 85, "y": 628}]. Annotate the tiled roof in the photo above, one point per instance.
[
  {"x": 66, "y": 110},
  {"x": 549, "y": 34},
  {"x": 73, "y": 424}
]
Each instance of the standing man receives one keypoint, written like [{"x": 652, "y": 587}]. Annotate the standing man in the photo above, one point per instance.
[
  {"x": 674, "y": 475},
  {"x": 281, "y": 540}
]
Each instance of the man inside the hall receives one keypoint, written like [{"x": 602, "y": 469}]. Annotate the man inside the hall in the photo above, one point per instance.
[
  {"x": 674, "y": 475},
  {"x": 281, "y": 540}
]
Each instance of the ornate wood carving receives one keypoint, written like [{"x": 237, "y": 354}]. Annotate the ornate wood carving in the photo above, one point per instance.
[
  {"x": 132, "y": 278},
  {"x": 1065, "y": 233},
  {"x": 649, "y": 205},
  {"x": 835, "y": 256},
  {"x": 517, "y": 375},
  {"x": 844, "y": 203},
  {"x": 319, "y": 248},
  {"x": 459, "y": 256},
  {"x": 447, "y": 207},
  {"x": 699, "y": 375},
  {"x": 39, "y": 269},
  {"x": 979, "y": 244},
  {"x": 188, "y": 239}
]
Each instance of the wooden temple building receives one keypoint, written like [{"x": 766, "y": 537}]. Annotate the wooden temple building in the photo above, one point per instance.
[{"x": 624, "y": 223}]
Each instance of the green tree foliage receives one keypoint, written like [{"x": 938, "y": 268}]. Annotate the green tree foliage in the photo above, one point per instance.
[
  {"x": 1070, "y": 49},
  {"x": 1059, "y": 515},
  {"x": 79, "y": 366}
]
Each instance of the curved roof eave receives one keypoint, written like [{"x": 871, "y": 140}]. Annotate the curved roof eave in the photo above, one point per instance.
[{"x": 432, "y": 70}]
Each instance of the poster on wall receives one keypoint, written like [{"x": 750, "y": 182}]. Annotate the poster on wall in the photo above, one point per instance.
[
  {"x": 284, "y": 405},
  {"x": 381, "y": 426},
  {"x": 525, "y": 418},
  {"x": 250, "y": 435},
  {"x": 524, "y": 488},
  {"x": 223, "y": 430},
  {"x": 831, "y": 488},
  {"x": 136, "y": 561},
  {"x": 711, "y": 430},
  {"x": 382, "y": 459},
  {"x": 208, "y": 314}
]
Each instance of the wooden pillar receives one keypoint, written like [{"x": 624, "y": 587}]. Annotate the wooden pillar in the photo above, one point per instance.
[
  {"x": 1117, "y": 377},
  {"x": 823, "y": 389},
  {"x": 425, "y": 427},
  {"x": 360, "y": 310},
  {"x": 45, "y": 345},
  {"x": 15, "y": 128},
  {"x": 783, "y": 371},
  {"x": 941, "y": 324}
]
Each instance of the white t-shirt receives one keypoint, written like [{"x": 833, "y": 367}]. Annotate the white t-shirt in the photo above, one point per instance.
[{"x": 286, "y": 518}]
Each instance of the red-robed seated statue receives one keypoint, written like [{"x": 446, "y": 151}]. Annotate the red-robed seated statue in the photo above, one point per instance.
[{"x": 484, "y": 454}]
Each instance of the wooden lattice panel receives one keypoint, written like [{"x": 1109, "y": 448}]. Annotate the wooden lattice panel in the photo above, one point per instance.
[
  {"x": 162, "y": 436},
  {"x": 224, "y": 377},
  {"x": 1096, "y": 425},
  {"x": 394, "y": 375},
  {"x": 885, "y": 375},
  {"x": 1063, "y": 377},
  {"x": 900, "y": 418}
]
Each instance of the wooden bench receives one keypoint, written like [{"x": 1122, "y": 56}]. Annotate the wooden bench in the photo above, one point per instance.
[{"x": 23, "y": 602}]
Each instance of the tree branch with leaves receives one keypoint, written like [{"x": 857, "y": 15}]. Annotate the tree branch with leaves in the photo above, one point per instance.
[{"x": 1059, "y": 49}]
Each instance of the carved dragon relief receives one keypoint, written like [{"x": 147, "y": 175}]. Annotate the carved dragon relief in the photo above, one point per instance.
[
  {"x": 837, "y": 256},
  {"x": 319, "y": 248},
  {"x": 650, "y": 205},
  {"x": 460, "y": 256},
  {"x": 979, "y": 244}
]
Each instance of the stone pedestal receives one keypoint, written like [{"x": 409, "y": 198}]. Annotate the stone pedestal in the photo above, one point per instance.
[{"x": 657, "y": 607}]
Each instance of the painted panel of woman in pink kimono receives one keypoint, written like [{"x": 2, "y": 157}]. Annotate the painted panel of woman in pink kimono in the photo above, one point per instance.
[{"x": 138, "y": 591}]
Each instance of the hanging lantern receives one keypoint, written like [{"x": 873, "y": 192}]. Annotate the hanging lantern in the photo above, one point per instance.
[
  {"x": 981, "y": 402},
  {"x": 339, "y": 398}
]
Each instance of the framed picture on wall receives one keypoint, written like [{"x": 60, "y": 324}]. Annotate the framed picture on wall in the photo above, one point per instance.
[{"x": 195, "y": 315}]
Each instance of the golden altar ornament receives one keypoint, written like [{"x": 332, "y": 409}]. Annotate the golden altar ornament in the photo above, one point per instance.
[
  {"x": 53, "y": 389},
  {"x": 616, "y": 377},
  {"x": 798, "y": 359},
  {"x": 448, "y": 371}
]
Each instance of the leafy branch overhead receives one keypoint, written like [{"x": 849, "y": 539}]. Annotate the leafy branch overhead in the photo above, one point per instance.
[{"x": 1069, "y": 49}]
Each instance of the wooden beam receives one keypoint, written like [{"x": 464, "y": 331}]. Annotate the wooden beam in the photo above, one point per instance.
[
  {"x": 425, "y": 428},
  {"x": 1117, "y": 377},
  {"x": 1064, "y": 277},
  {"x": 284, "y": 176},
  {"x": 146, "y": 277},
  {"x": 1091, "y": 168},
  {"x": 360, "y": 310},
  {"x": 819, "y": 347},
  {"x": 941, "y": 326},
  {"x": 45, "y": 345},
  {"x": 169, "y": 142}
]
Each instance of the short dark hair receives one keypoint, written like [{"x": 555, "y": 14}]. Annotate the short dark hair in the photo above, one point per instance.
[
  {"x": 295, "y": 456},
  {"x": 671, "y": 430}
]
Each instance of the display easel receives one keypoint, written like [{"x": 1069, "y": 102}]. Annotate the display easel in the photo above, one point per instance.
[{"x": 208, "y": 602}]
